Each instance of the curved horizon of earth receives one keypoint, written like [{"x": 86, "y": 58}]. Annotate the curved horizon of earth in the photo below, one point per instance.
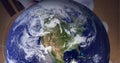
[
  {"x": 56, "y": 32},
  {"x": 87, "y": 3}
]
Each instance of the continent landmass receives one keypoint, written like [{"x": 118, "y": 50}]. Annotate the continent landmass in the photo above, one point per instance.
[{"x": 59, "y": 40}]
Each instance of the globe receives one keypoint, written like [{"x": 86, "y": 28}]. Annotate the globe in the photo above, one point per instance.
[{"x": 57, "y": 31}]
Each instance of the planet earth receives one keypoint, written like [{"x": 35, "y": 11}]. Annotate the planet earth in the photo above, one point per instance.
[{"x": 57, "y": 31}]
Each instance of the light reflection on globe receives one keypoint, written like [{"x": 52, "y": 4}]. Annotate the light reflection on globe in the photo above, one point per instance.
[{"x": 55, "y": 31}]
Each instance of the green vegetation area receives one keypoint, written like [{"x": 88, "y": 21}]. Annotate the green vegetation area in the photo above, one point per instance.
[
  {"x": 58, "y": 39},
  {"x": 47, "y": 20}
]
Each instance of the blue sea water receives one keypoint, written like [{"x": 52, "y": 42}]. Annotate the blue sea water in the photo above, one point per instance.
[{"x": 99, "y": 46}]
